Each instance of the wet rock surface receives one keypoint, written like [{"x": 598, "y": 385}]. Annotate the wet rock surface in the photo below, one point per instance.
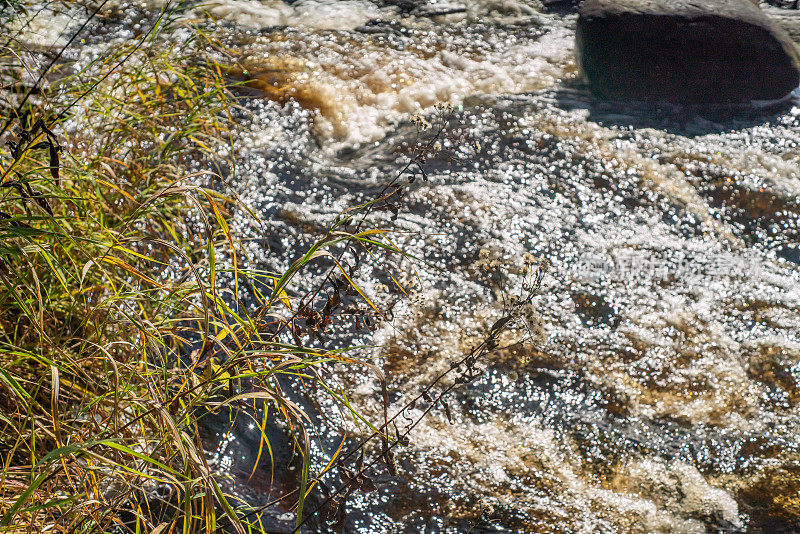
[{"x": 689, "y": 52}]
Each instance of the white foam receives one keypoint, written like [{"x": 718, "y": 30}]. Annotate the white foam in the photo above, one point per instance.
[
  {"x": 249, "y": 13},
  {"x": 48, "y": 28},
  {"x": 310, "y": 14},
  {"x": 366, "y": 89}
]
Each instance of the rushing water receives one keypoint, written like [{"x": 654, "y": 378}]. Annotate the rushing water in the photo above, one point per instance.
[{"x": 664, "y": 397}]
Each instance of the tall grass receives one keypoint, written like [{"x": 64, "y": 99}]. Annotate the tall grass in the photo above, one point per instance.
[{"x": 116, "y": 333}]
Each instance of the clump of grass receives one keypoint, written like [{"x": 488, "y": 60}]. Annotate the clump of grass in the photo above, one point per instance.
[
  {"x": 92, "y": 229},
  {"x": 108, "y": 274},
  {"x": 116, "y": 332}
]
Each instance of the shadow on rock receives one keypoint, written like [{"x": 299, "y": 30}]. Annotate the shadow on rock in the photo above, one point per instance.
[{"x": 685, "y": 120}]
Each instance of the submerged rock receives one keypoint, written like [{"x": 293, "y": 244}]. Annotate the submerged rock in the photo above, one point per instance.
[{"x": 684, "y": 51}]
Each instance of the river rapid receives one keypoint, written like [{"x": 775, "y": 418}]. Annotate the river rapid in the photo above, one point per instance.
[{"x": 660, "y": 392}]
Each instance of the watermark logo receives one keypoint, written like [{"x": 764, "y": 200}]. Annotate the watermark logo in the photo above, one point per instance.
[{"x": 652, "y": 265}]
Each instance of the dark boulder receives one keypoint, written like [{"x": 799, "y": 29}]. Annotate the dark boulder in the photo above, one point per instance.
[{"x": 684, "y": 51}]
